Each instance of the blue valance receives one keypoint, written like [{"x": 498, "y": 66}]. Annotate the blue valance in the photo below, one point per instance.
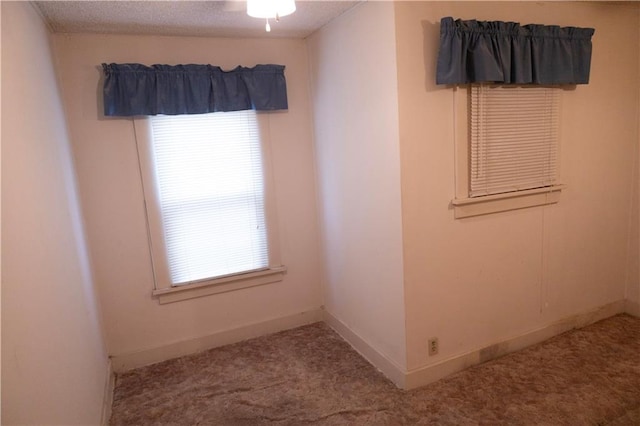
[
  {"x": 135, "y": 89},
  {"x": 506, "y": 52}
]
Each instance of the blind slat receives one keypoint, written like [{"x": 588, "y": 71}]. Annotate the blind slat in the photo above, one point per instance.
[
  {"x": 514, "y": 138},
  {"x": 208, "y": 171}
]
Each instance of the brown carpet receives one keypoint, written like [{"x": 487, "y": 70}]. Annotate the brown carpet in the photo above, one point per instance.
[{"x": 309, "y": 375}]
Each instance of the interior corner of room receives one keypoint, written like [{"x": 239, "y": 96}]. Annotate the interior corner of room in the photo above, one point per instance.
[{"x": 363, "y": 167}]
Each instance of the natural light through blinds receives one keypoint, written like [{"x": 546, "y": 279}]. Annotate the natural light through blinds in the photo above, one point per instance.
[
  {"x": 514, "y": 138},
  {"x": 209, "y": 179}
]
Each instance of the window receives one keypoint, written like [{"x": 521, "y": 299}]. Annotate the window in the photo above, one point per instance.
[
  {"x": 206, "y": 200},
  {"x": 507, "y": 154}
]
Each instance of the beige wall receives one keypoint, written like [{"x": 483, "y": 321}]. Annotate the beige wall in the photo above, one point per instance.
[
  {"x": 54, "y": 364},
  {"x": 112, "y": 200},
  {"x": 391, "y": 250},
  {"x": 474, "y": 282},
  {"x": 354, "y": 89}
]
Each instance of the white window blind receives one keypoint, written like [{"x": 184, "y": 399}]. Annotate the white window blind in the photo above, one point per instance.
[
  {"x": 209, "y": 183},
  {"x": 514, "y": 138}
]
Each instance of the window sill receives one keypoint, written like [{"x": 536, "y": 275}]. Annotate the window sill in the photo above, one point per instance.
[
  {"x": 468, "y": 207},
  {"x": 221, "y": 285}
]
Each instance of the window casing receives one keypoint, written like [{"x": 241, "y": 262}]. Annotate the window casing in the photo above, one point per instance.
[
  {"x": 507, "y": 148},
  {"x": 207, "y": 187}
]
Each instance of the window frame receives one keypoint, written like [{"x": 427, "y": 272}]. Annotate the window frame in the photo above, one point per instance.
[
  {"x": 163, "y": 289},
  {"x": 466, "y": 206}
]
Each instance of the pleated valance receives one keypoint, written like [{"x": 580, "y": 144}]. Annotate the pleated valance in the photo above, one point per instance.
[
  {"x": 506, "y": 52},
  {"x": 135, "y": 89}
]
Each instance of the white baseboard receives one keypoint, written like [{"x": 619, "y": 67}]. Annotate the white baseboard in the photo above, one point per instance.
[
  {"x": 400, "y": 377},
  {"x": 632, "y": 308},
  {"x": 424, "y": 375},
  {"x": 392, "y": 371},
  {"x": 128, "y": 361},
  {"x": 428, "y": 374},
  {"x": 107, "y": 399}
]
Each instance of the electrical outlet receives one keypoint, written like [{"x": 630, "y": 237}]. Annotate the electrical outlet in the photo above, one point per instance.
[{"x": 433, "y": 346}]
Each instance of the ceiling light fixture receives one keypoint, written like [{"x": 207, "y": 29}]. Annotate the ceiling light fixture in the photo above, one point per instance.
[{"x": 270, "y": 9}]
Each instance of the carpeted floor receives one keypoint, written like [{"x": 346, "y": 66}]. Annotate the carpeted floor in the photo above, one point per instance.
[{"x": 309, "y": 375}]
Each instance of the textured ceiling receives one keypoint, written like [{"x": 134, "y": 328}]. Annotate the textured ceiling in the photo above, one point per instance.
[{"x": 186, "y": 18}]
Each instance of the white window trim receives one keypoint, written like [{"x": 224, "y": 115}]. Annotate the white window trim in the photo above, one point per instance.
[
  {"x": 220, "y": 285},
  {"x": 162, "y": 289},
  {"x": 465, "y": 206}
]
